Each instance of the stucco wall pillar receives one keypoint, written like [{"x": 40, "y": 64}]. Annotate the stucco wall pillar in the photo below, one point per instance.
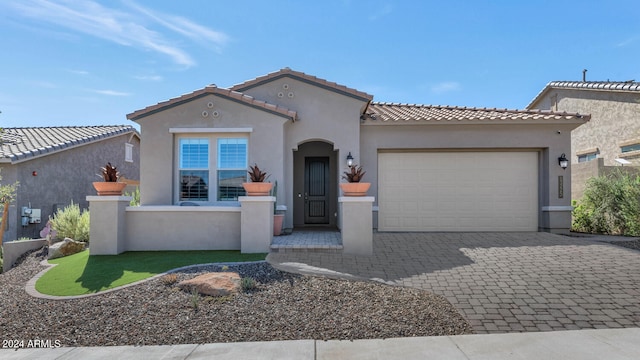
[
  {"x": 107, "y": 233},
  {"x": 256, "y": 223},
  {"x": 356, "y": 224}
]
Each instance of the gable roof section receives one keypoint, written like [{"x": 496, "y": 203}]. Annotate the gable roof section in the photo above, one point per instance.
[
  {"x": 214, "y": 90},
  {"x": 395, "y": 112},
  {"x": 21, "y": 144},
  {"x": 309, "y": 79},
  {"x": 613, "y": 86}
]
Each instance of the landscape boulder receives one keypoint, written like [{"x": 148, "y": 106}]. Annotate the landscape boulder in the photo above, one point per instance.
[
  {"x": 213, "y": 284},
  {"x": 65, "y": 247}
]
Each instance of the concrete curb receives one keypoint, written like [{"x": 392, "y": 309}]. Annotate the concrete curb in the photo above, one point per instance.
[{"x": 612, "y": 344}]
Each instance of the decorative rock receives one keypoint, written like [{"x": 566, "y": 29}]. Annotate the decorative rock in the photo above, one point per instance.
[
  {"x": 65, "y": 247},
  {"x": 213, "y": 284}
]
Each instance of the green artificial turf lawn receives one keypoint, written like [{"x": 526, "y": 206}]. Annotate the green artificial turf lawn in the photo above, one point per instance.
[{"x": 80, "y": 273}]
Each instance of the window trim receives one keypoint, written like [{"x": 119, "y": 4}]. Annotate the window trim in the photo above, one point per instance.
[
  {"x": 212, "y": 135},
  {"x": 587, "y": 157},
  {"x": 128, "y": 152},
  {"x": 630, "y": 147}
]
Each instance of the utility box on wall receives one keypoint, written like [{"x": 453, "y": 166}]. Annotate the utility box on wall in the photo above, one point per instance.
[
  {"x": 30, "y": 216},
  {"x": 35, "y": 216}
]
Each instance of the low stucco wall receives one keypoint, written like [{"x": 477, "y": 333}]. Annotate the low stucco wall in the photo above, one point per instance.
[
  {"x": 582, "y": 172},
  {"x": 12, "y": 250},
  {"x": 182, "y": 228}
]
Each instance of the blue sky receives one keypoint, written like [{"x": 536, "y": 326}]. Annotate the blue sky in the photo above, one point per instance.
[{"x": 92, "y": 62}]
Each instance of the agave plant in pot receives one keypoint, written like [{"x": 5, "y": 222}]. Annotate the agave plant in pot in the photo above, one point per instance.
[
  {"x": 257, "y": 186},
  {"x": 354, "y": 186},
  {"x": 110, "y": 185}
]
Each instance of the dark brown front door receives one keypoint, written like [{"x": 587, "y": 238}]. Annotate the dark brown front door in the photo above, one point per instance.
[{"x": 316, "y": 190}]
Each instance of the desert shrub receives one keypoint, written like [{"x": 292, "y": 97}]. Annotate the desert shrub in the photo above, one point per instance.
[
  {"x": 169, "y": 279},
  {"x": 610, "y": 205},
  {"x": 247, "y": 283},
  {"x": 71, "y": 222},
  {"x": 1, "y": 259},
  {"x": 135, "y": 197}
]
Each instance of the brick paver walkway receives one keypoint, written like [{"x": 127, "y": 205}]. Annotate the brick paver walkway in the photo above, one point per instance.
[{"x": 501, "y": 282}]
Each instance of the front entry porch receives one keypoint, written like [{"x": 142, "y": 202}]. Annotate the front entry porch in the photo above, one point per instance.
[{"x": 311, "y": 240}]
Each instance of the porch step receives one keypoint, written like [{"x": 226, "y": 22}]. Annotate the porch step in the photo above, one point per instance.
[
  {"x": 305, "y": 240},
  {"x": 306, "y": 248}
]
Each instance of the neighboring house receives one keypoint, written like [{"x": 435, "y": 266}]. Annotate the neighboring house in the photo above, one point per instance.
[
  {"x": 611, "y": 139},
  {"x": 431, "y": 168},
  {"x": 57, "y": 165}
]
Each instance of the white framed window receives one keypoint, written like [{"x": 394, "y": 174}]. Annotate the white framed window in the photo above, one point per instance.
[
  {"x": 128, "y": 152},
  {"x": 193, "y": 169},
  {"x": 211, "y": 167},
  {"x": 232, "y": 168}
]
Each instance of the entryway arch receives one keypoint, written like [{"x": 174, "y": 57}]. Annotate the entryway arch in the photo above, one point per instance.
[{"x": 315, "y": 185}]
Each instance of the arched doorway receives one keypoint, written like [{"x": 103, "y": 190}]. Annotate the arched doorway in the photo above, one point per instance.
[{"x": 315, "y": 185}]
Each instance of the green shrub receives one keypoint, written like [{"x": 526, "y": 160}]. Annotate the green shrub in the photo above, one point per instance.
[
  {"x": 610, "y": 205},
  {"x": 72, "y": 223},
  {"x": 135, "y": 197},
  {"x": 247, "y": 283}
]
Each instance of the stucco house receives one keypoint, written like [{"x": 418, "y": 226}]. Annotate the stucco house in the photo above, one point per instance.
[
  {"x": 611, "y": 140},
  {"x": 56, "y": 165},
  {"x": 431, "y": 168}
]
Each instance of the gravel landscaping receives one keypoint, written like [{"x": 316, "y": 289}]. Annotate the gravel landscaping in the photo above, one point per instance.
[{"x": 282, "y": 307}]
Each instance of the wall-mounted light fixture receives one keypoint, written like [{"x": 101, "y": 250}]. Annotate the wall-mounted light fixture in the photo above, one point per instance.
[
  {"x": 563, "y": 161},
  {"x": 349, "y": 160}
]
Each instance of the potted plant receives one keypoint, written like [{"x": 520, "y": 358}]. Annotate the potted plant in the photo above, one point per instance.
[
  {"x": 278, "y": 219},
  {"x": 257, "y": 186},
  {"x": 354, "y": 186},
  {"x": 110, "y": 185}
]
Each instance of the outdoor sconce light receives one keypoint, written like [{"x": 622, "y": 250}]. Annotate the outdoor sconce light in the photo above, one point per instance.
[
  {"x": 349, "y": 160},
  {"x": 563, "y": 162}
]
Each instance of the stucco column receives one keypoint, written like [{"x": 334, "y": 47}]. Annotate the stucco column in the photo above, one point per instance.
[
  {"x": 256, "y": 223},
  {"x": 357, "y": 224},
  {"x": 107, "y": 233}
]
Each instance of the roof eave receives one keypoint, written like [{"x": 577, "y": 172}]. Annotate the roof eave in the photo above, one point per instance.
[
  {"x": 213, "y": 90},
  {"x": 305, "y": 78}
]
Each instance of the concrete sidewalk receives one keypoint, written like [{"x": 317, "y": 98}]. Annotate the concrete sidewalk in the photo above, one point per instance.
[{"x": 611, "y": 344}]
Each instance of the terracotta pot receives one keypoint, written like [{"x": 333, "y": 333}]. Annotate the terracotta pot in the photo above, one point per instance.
[
  {"x": 277, "y": 224},
  {"x": 109, "y": 188},
  {"x": 355, "y": 189},
  {"x": 257, "y": 188}
]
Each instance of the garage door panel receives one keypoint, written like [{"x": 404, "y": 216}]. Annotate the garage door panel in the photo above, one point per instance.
[{"x": 458, "y": 191}]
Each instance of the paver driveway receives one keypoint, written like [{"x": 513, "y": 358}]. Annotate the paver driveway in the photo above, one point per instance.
[{"x": 501, "y": 282}]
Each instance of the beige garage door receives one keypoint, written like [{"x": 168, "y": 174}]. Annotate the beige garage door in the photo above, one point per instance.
[{"x": 458, "y": 191}]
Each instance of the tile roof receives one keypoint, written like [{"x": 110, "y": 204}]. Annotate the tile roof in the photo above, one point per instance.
[
  {"x": 24, "y": 143},
  {"x": 395, "y": 112},
  {"x": 286, "y": 72},
  {"x": 213, "y": 90},
  {"x": 615, "y": 86}
]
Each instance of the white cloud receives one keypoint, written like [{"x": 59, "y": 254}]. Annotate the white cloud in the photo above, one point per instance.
[
  {"x": 628, "y": 41},
  {"x": 78, "y": 72},
  {"x": 149, "y": 77},
  {"x": 111, "y": 92},
  {"x": 184, "y": 26},
  {"x": 124, "y": 28},
  {"x": 446, "y": 86}
]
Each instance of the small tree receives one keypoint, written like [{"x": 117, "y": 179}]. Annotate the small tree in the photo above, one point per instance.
[{"x": 7, "y": 196}]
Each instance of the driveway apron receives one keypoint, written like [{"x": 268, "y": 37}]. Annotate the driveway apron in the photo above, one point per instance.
[{"x": 501, "y": 282}]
